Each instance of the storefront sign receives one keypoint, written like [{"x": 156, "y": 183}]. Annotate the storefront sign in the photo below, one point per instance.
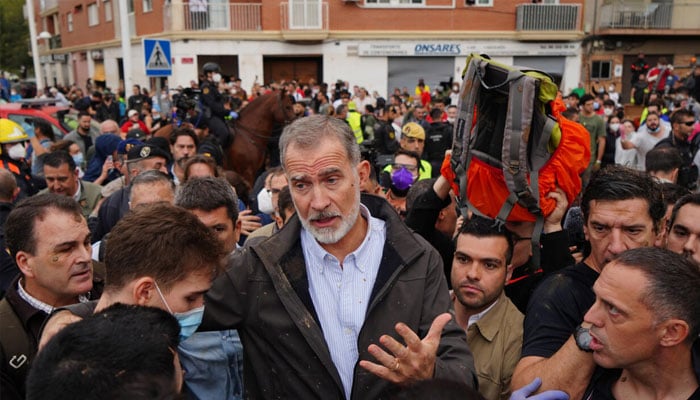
[
  {"x": 59, "y": 58},
  {"x": 453, "y": 49}
]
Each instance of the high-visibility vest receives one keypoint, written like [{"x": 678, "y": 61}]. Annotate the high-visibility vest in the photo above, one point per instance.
[{"x": 355, "y": 120}]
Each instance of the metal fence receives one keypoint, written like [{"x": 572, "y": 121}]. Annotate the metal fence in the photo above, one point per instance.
[{"x": 547, "y": 17}]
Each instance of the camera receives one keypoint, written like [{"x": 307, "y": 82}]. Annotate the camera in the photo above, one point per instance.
[{"x": 185, "y": 101}]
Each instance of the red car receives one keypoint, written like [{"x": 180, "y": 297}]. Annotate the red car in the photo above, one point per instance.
[{"x": 62, "y": 119}]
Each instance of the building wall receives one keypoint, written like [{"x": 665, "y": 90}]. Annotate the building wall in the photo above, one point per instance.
[{"x": 347, "y": 48}]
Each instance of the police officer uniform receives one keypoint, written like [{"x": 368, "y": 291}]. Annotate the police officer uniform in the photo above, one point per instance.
[{"x": 213, "y": 105}]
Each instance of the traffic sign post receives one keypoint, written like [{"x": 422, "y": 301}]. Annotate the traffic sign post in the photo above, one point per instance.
[{"x": 157, "y": 57}]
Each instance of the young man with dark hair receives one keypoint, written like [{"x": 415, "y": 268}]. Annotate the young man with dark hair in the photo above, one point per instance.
[
  {"x": 49, "y": 241},
  {"x": 663, "y": 163},
  {"x": 164, "y": 257},
  {"x": 622, "y": 209},
  {"x": 61, "y": 175},
  {"x": 183, "y": 146},
  {"x": 494, "y": 326},
  {"x": 438, "y": 139},
  {"x": 125, "y": 351},
  {"x": 213, "y": 360},
  {"x": 682, "y": 123},
  {"x": 683, "y": 235},
  {"x": 83, "y": 135},
  {"x": 595, "y": 126}
]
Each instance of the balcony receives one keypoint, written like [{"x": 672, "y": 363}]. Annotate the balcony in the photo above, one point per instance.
[
  {"x": 47, "y": 7},
  {"x": 636, "y": 17},
  {"x": 230, "y": 17},
  {"x": 304, "y": 20},
  {"x": 548, "y": 17}
]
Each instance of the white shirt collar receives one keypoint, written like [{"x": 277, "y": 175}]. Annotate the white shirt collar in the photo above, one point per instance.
[{"x": 476, "y": 317}]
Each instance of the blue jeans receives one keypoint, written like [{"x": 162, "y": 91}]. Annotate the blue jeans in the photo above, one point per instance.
[{"x": 213, "y": 365}]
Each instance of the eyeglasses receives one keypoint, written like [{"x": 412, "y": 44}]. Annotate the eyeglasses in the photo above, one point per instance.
[
  {"x": 688, "y": 123},
  {"x": 411, "y": 168},
  {"x": 109, "y": 132}
]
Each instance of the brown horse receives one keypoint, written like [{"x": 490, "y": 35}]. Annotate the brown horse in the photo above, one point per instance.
[{"x": 253, "y": 130}]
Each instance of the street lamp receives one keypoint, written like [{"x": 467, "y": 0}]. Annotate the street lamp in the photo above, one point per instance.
[{"x": 33, "y": 39}]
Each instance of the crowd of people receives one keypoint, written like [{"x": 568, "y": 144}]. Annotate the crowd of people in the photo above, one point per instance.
[{"x": 136, "y": 266}]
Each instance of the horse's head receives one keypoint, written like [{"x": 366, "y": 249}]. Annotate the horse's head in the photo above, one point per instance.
[{"x": 283, "y": 113}]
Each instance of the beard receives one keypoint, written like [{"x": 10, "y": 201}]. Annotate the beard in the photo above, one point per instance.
[
  {"x": 182, "y": 161},
  {"x": 332, "y": 235}
]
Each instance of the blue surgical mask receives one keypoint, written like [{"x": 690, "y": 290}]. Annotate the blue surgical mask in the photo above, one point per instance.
[
  {"x": 189, "y": 320},
  {"x": 78, "y": 158}
]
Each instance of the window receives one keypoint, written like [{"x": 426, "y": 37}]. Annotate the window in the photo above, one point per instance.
[
  {"x": 394, "y": 3},
  {"x": 601, "y": 69},
  {"x": 93, "y": 16},
  {"x": 69, "y": 22},
  {"x": 479, "y": 3},
  {"x": 108, "y": 10},
  {"x": 130, "y": 6},
  {"x": 147, "y": 5}
]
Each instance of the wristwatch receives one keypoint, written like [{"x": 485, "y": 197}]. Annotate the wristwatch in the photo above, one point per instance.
[{"x": 583, "y": 339}]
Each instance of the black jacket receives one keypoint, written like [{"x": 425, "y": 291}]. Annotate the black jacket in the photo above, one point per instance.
[{"x": 265, "y": 295}]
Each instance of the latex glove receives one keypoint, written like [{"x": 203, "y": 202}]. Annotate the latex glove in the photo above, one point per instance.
[{"x": 524, "y": 393}]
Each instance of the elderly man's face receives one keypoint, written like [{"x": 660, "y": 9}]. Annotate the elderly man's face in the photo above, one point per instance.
[{"x": 325, "y": 187}]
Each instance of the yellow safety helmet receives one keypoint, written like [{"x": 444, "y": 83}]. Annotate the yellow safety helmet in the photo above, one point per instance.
[{"x": 11, "y": 132}]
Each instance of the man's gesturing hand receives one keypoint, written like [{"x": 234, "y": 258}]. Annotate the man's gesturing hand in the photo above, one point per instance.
[{"x": 413, "y": 362}]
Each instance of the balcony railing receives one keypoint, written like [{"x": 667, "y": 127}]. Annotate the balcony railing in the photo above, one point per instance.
[
  {"x": 304, "y": 15},
  {"x": 214, "y": 17},
  {"x": 548, "y": 17},
  {"x": 621, "y": 15},
  {"x": 45, "y": 5}
]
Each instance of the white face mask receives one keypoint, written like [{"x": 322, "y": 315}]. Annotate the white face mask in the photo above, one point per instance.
[
  {"x": 608, "y": 111},
  {"x": 265, "y": 202},
  {"x": 216, "y": 77},
  {"x": 17, "y": 152},
  {"x": 614, "y": 127}
]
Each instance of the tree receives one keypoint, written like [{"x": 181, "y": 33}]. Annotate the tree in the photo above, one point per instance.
[{"x": 14, "y": 37}]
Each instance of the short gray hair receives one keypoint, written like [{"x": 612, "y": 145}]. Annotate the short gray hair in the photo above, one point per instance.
[{"x": 307, "y": 133}]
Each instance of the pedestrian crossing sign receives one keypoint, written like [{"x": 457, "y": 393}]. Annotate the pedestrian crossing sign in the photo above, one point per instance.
[{"x": 157, "y": 57}]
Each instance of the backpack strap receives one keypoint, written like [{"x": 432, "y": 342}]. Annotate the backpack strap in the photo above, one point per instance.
[
  {"x": 461, "y": 151},
  {"x": 15, "y": 345}
]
